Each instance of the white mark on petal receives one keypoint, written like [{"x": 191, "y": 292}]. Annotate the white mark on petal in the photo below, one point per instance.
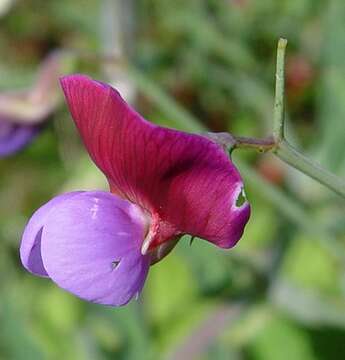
[
  {"x": 240, "y": 198},
  {"x": 147, "y": 242},
  {"x": 94, "y": 209},
  {"x": 122, "y": 233}
]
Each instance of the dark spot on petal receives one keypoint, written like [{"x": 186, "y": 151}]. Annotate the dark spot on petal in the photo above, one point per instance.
[
  {"x": 179, "y": 168},
  {"x": 115, "y": 264}
]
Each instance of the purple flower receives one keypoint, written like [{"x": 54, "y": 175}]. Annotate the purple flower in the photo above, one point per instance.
[
  {"x": 14, "y": 137},
  {"x": 23, "y": 112},
  {"x": 164, "y": 183}
]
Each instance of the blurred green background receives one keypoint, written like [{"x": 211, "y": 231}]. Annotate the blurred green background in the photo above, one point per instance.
[{"x": 280, "y": 293}]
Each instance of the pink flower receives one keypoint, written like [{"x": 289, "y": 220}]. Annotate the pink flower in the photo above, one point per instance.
[{"x": 164, "y": 184}]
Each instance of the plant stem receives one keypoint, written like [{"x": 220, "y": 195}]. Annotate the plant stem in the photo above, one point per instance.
[
  {"x": 280, "y": 146},
  {"x": 278, "y": 119},
  {"x": 293, "y": 157},
  {"x": 261, "y": 145},
  {"x": 283, "y": 149}
]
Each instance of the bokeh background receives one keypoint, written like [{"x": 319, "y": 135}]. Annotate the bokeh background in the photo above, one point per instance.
[{"x": 191, "y": 65}]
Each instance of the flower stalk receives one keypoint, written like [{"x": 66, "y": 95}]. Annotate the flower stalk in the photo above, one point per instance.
[
  {"x": 280, "y": 146},
  {"x": 293, "y": 157},
  {"x": 283, "y": 149},
  {"x": 279, "y": 114},
  {"x": 261, "y": 145}
]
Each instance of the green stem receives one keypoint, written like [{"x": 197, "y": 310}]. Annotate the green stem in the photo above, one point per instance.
[
  {"x": 283, "y": 149},
  {"x": 293, "y": 157},
  {"x": 278, "y": 119},
  {"x": 280, "y": 146},
  {"x": 261, "y": 145}
]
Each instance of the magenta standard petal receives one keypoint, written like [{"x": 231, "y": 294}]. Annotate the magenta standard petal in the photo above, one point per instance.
[
  {"x": 13, "y": 137},
  {"x": 30, "y": 247},
  {"x": 186, "y": 182},
  {"x": 91, "y": 247}
]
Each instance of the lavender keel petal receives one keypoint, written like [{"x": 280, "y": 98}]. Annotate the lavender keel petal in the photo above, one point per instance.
[
  {"x": 91, "y": 247},
  {"x": 30, "y": 247}
]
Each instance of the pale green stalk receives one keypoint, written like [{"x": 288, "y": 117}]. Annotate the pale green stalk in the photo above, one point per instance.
[{"x": 280, "y": 146}]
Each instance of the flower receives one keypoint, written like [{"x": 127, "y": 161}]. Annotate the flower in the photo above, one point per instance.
[
  {"x": 163, "y": 183},
  {"x": 14, "y": 137},
  {"x": 23, "y": 112}
]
